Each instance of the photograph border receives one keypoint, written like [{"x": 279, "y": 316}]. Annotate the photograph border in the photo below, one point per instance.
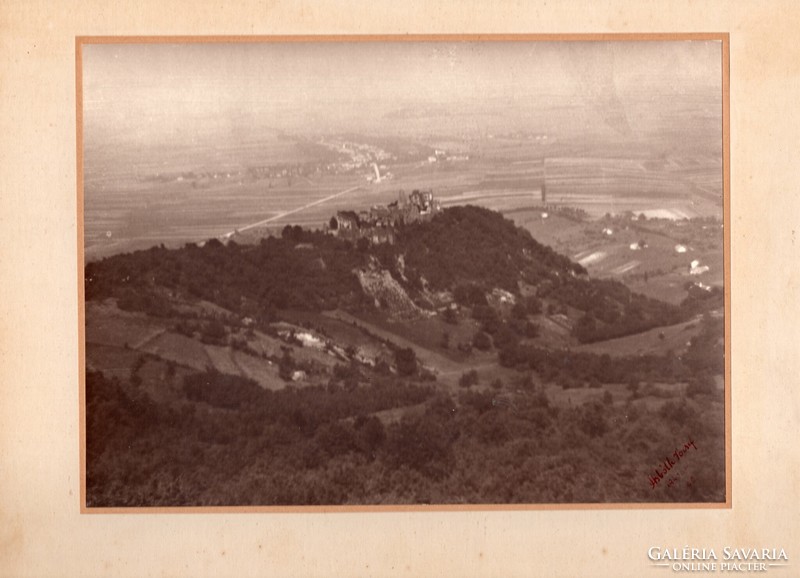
[{"x": 724, "y": 38}]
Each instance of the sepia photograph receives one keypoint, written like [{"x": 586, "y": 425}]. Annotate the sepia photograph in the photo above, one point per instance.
[{"x": 451, "y": 271}]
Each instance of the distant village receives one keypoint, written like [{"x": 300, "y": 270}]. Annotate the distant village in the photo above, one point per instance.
[
  {"x": 378, "y": 224},
  {"x": 341, "y": 157}
]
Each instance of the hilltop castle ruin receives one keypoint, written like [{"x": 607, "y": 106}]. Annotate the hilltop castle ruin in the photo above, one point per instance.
[{"x": 377, "y": 225}]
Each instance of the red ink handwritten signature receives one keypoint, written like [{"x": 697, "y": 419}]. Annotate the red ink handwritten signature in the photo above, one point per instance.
[{"x": 667, "y": 465}]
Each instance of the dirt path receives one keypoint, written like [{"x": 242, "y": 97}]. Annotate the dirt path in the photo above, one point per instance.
[{"x": 293, "y": 211}]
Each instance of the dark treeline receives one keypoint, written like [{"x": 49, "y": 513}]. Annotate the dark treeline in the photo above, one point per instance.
[{"x": 304, "y": 405}]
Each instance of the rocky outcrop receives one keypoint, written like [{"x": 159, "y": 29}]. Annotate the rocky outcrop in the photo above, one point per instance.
[{"x": 388, "y": 294}]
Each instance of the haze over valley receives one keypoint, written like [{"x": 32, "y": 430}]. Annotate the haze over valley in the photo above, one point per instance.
[{"x": 187, "y": 142}]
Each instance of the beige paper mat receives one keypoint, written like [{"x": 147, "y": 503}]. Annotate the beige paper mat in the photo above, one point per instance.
[{"x": 42, "y": 532}]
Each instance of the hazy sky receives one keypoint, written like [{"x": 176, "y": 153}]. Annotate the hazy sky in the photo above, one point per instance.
[{"x": 155, "y": 87}]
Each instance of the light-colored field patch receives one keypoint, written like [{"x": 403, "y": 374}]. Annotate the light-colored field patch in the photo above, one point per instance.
[
  {"x": 259, "y": 370},
  {"x": 394, "y": 415},
  {"x": 222, "y": 360},
  {"x": 316, "y": 356},
  {"x": 266, "y": 344},
  {"x": 590, "y": 259},
  {"x": 675, "y": 338},
  {"x": 111, "y": 359},
  {"x": 552, "y": 332},
  {"x": 108, "y": 325},
  {"x": 673, "y": 214},
  {"x": 626, "y": 268},
  {"x": 180, "y": 349}
]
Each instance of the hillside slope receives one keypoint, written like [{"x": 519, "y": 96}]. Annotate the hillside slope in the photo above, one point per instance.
[{"x": 463, "y": 253}]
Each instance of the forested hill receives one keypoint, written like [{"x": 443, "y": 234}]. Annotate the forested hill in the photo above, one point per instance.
[
  {"x": 475, "y": 245},
  {"x": 466, "y": 251}
]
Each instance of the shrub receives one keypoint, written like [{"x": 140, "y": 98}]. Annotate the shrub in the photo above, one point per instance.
[
  {"x": 470, "y": 295},
  {"x": 421, "y": 444},
  {"x": 592, "y": 421},
  {"x": 701, "y": 384},
  {"x": 406, "y": 361},
  {"x": 468, "y": 379},
  {"x": 286, "y": 366},
  {"x": 533, "y": 305},
  {"x": 482, "y": 341}
]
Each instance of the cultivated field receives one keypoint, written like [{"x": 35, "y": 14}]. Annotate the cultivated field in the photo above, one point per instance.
[{"x": 137, "y": 196}]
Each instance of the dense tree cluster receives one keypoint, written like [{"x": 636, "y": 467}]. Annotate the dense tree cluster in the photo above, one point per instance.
[
  {"x": 571, "y": 367},
  {"x": 248, "y": 279},
  {"x": 475, "y": 245},
  {"x": 327, "y": 446}
]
